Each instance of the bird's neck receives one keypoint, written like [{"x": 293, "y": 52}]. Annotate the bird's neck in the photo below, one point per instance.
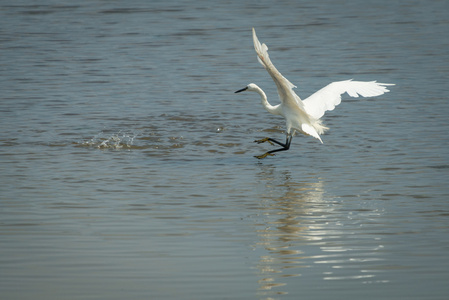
[{"x": 270, "y": 108}]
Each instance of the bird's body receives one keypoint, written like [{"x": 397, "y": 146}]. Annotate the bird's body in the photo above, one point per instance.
[{"x": 304, "y": 116}]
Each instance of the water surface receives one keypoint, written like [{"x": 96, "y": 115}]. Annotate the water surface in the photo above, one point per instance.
[{"x": 127, "y": 160}]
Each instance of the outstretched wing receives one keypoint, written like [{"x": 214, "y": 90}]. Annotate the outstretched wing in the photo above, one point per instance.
[
  {"x": 284, "y": 86},
  {"x": 330, "y": 96}
]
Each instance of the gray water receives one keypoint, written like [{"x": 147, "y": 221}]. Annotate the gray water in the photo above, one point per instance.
[{"x": 127, "y": 168}]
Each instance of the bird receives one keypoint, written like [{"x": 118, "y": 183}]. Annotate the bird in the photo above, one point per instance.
[{"x": 304, "y": 116}]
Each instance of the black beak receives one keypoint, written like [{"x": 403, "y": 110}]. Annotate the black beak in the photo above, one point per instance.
[{"x": 242, "y": 90}]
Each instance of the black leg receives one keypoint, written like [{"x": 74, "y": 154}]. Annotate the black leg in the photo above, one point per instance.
[{"x": 285, "y": 146}]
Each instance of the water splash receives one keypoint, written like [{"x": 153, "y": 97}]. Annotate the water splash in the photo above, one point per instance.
[{"x": 120, "y": 140}]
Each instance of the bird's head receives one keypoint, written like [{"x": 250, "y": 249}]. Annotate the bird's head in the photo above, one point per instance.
[{"x": 249, "y": 87}]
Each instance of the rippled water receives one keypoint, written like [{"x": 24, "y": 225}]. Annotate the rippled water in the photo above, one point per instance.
[{"x": 127, "y": 160}]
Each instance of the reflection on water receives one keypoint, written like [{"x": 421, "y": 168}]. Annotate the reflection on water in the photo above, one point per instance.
[
  {"x": 283, "y": 227},
  {"x": 300, "y": 229}
]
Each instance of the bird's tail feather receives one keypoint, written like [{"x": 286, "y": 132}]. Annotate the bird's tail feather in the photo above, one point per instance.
[
  {"x": 314, "y": 129},
  {"x": 319, "y": 127},
  {"x": 310, "y": 130}
]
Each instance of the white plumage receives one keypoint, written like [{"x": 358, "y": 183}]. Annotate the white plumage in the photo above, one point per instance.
[
  {"x": 330, "y": 96},
  {"x": 304, "y": 116}
]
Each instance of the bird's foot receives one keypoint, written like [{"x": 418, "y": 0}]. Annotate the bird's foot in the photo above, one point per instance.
[
  {"x": 263, "y": 141},
  {"x": 263, "y": 155}
]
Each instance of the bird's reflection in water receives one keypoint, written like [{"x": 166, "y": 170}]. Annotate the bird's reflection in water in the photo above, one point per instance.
[{"x": 288, "y": 210}]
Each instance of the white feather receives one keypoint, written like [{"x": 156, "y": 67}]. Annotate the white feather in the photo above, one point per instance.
[
  {"x": 330, "y": 96},
  {"x": 304, "y": 116},
  {"x": 284, "y": 86}
]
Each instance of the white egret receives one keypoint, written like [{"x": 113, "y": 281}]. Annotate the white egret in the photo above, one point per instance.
[{"x": 304, "y": 116}]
